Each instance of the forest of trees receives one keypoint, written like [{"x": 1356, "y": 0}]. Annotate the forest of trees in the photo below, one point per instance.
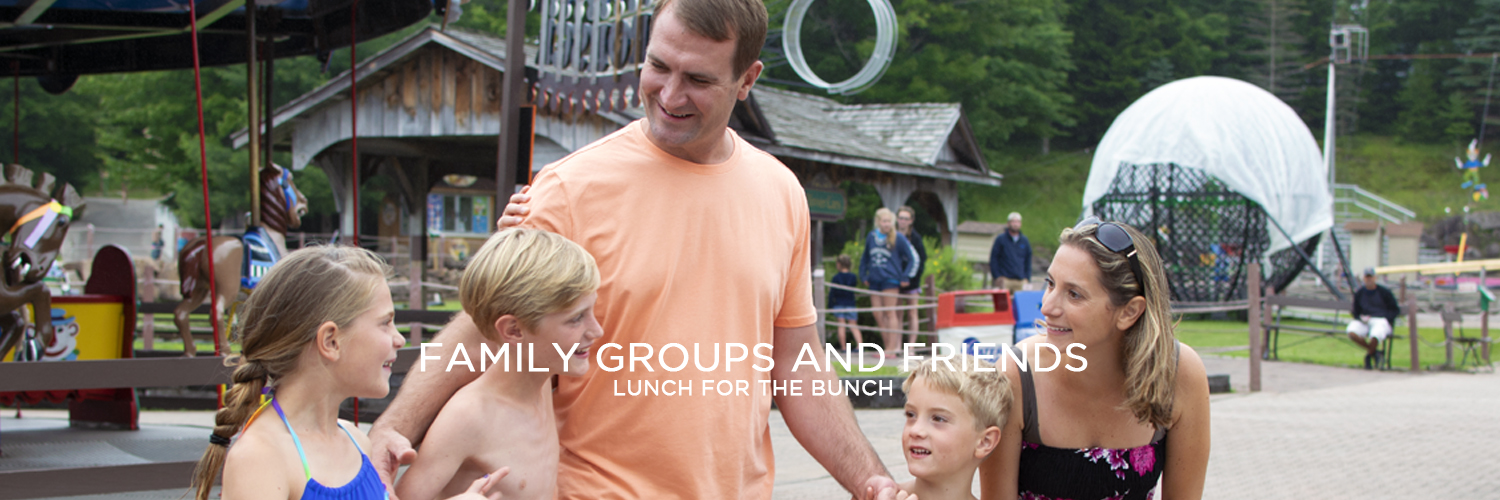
[{"x": 1032, "y": 75}]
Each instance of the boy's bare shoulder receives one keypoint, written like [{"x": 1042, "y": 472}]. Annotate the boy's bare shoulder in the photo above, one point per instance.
[{"x": 476, "y": 415}]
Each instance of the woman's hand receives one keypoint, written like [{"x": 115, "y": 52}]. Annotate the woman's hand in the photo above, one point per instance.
[
  {"x": 515, "y": 211},
  {"x": 482, "y": 488}
]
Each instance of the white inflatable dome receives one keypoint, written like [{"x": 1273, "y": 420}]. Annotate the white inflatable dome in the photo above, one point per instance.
[{"x": 1232, "y": 130}]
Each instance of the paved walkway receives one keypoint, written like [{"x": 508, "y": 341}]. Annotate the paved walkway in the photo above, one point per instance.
[{"x": 1315, "y": 432}]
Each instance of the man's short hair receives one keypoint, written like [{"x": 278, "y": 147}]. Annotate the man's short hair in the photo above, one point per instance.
[
  {"x": 720, "y": 20},
  {"x": 986, "y": 394},
  {"x": 527, "y": 273},
  {"x": 1013, "y": 216}
]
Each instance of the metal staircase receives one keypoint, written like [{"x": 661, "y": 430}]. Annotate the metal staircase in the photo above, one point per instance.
[{"x": 1351, "y": 202}]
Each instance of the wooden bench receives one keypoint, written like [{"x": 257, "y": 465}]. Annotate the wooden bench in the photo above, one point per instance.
[{"x": 1275, "y": 325}]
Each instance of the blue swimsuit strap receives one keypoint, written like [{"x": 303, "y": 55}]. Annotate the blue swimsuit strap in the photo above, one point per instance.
[{"x": 305, "y": 469}]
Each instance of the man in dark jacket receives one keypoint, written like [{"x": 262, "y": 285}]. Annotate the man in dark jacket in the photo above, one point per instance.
[
  {"x": 1010, "y": 257},
  {"x": 1375, "y": 310}
]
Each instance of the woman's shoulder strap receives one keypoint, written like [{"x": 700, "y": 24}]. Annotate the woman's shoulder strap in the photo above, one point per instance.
[{"x": 1029, "y": 424}]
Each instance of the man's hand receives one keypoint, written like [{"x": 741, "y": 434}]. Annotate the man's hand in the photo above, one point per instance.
[
  {"x": 515, "y": 211},
  {"x": 389, "y": 451},
  {"x": 884, "y": 488}
]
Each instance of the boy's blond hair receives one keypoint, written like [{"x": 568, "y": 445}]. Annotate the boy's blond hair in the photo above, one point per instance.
[
  {"x": 986, "y": 394},
  {"x": 527, "y": 273}
]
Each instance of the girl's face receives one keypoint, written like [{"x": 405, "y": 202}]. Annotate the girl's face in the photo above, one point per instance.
[
  {"x": 369, "y": 347},
  {"x": 886, "y": 223},
  {"x": 573, "y": 328}
]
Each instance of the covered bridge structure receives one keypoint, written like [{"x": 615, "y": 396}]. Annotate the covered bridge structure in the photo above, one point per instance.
[{"x": 429, "y": 117}]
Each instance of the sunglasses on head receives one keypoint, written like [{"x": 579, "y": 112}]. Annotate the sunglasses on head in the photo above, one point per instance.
[{"x": 1114, "y": 238}]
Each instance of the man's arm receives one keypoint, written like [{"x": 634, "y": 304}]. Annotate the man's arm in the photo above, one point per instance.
[
  {"x": 422, "y": 394},
  {"x": 1356, "y": 311},
  {"x": 825, "y": 425},
  {"x": 1026, "y": 261},
  {"x": 1392, "y": 306},
  {"x": 995, "y": 258}
]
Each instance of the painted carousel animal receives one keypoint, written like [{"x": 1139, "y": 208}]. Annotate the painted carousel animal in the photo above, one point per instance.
[
  {"x": 281, "y": 208},
  {"x": 36, "y": 223}
]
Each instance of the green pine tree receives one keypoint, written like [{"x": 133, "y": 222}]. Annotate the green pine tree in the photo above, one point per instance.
[{"x": 1459, "y": 117}]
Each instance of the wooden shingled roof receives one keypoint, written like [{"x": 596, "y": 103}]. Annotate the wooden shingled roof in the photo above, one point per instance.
[
  {"x": 932, "y": 140},
  {"x": 923, "y": 139}
]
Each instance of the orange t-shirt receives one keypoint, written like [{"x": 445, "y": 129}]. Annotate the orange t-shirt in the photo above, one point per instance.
[{"x": 688, "y": 254}]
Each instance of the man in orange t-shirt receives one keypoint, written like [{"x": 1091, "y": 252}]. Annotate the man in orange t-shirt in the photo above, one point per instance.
[{"x": 702, "y": 243}]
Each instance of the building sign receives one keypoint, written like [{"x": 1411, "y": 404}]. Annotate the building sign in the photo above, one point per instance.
[{"x": 826, "y": 204}]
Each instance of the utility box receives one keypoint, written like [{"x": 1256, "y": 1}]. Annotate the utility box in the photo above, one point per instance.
[{"x": 993, "y": 324}]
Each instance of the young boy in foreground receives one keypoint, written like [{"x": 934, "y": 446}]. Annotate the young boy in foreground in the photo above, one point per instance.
[
  {"x": 532, "y": 292},
  {"x": 954, "y": 414}
]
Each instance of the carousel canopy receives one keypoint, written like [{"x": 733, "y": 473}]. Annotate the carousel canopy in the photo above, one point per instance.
[
  {"x": 53, "y": 38},
  {"x": 1244, "y": 136}
]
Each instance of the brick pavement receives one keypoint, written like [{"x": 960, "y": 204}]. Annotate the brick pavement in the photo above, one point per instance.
[{"x": 1315, "y": 432}]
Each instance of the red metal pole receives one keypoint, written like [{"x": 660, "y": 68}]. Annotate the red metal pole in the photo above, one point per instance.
[
  {"x": 15, "y": 151},
  {"x": 208, "y": 225},
  {"x": 354, "y": 128},
  {"x": 354, "y": 132}
]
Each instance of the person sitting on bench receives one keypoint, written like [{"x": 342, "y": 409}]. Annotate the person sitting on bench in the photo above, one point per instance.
[{"x": 1375, "y": 309}]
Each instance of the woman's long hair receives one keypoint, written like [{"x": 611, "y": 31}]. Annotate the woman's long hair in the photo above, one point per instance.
[
  {"x": 1149, "y": 352},
  {"x": 890, "y": 236},
  {"x": 307, "y": 288}
]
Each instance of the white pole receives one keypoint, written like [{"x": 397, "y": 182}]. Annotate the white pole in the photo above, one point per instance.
[{"x": 1328, "y": 152}]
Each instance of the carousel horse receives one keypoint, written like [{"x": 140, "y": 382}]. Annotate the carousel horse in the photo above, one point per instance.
[
  {"x": 37, "y": 223},
  {"x": 281, "y": 208}
]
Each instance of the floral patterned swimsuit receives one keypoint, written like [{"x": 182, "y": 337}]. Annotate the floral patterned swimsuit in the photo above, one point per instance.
[{"x": 1048, "y": 473}]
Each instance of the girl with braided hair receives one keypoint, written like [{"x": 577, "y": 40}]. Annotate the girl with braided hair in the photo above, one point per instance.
[{"x": 318, "y": 330}]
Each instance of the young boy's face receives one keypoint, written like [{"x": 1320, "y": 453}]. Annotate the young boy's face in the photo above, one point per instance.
[
  {"x": 940, "y": 437},
  {"x": 573, "y": 325}
]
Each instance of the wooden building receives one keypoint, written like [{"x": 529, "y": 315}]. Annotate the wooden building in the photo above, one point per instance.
[{"x": 428, "y": 110}]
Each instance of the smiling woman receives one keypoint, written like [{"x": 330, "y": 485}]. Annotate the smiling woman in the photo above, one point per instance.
[{"x": 1107, "y": 426}]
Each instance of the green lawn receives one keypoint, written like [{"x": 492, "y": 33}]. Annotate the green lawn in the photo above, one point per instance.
[{"x": 1219, "y": 337}]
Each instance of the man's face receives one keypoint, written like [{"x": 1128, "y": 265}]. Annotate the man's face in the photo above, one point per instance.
[
  {"x": 1370, "y": 281},
  {"x": 689, "y": 89},
  {"x": 1015, "y": 225},
  {"x": 903, "y": 221}
]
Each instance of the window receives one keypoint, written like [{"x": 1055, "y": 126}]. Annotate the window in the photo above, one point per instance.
[{"x": 458, "y": 214}]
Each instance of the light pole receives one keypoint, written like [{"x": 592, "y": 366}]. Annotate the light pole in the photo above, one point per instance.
[{"x": 1346, "y": 43}]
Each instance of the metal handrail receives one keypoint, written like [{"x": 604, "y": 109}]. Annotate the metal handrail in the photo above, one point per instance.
[{"x": 1381, "y": 203}]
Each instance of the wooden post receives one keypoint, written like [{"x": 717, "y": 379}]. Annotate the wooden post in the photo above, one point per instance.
[
  {"x": 414, "y": 299},
  {"x": 1484, "y": 335},
  {"x": 1255, "y": 334},
  {"x": 1411, "y": 325},
  {"x": 1448, "y": 335},
  {"x": 820, "y": 302},
  {"x": 931, "y": 292},
  {"x": 301, "y": 239},
  {"x": 148, "y": 325},
  {"x": 1484, "y": 321}
]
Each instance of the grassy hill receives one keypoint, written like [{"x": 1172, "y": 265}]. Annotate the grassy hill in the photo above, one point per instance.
[{"x": 1048, "y": 189}]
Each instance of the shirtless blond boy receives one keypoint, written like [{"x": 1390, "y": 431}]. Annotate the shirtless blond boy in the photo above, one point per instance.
[{"x": 531, "y": 292}]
